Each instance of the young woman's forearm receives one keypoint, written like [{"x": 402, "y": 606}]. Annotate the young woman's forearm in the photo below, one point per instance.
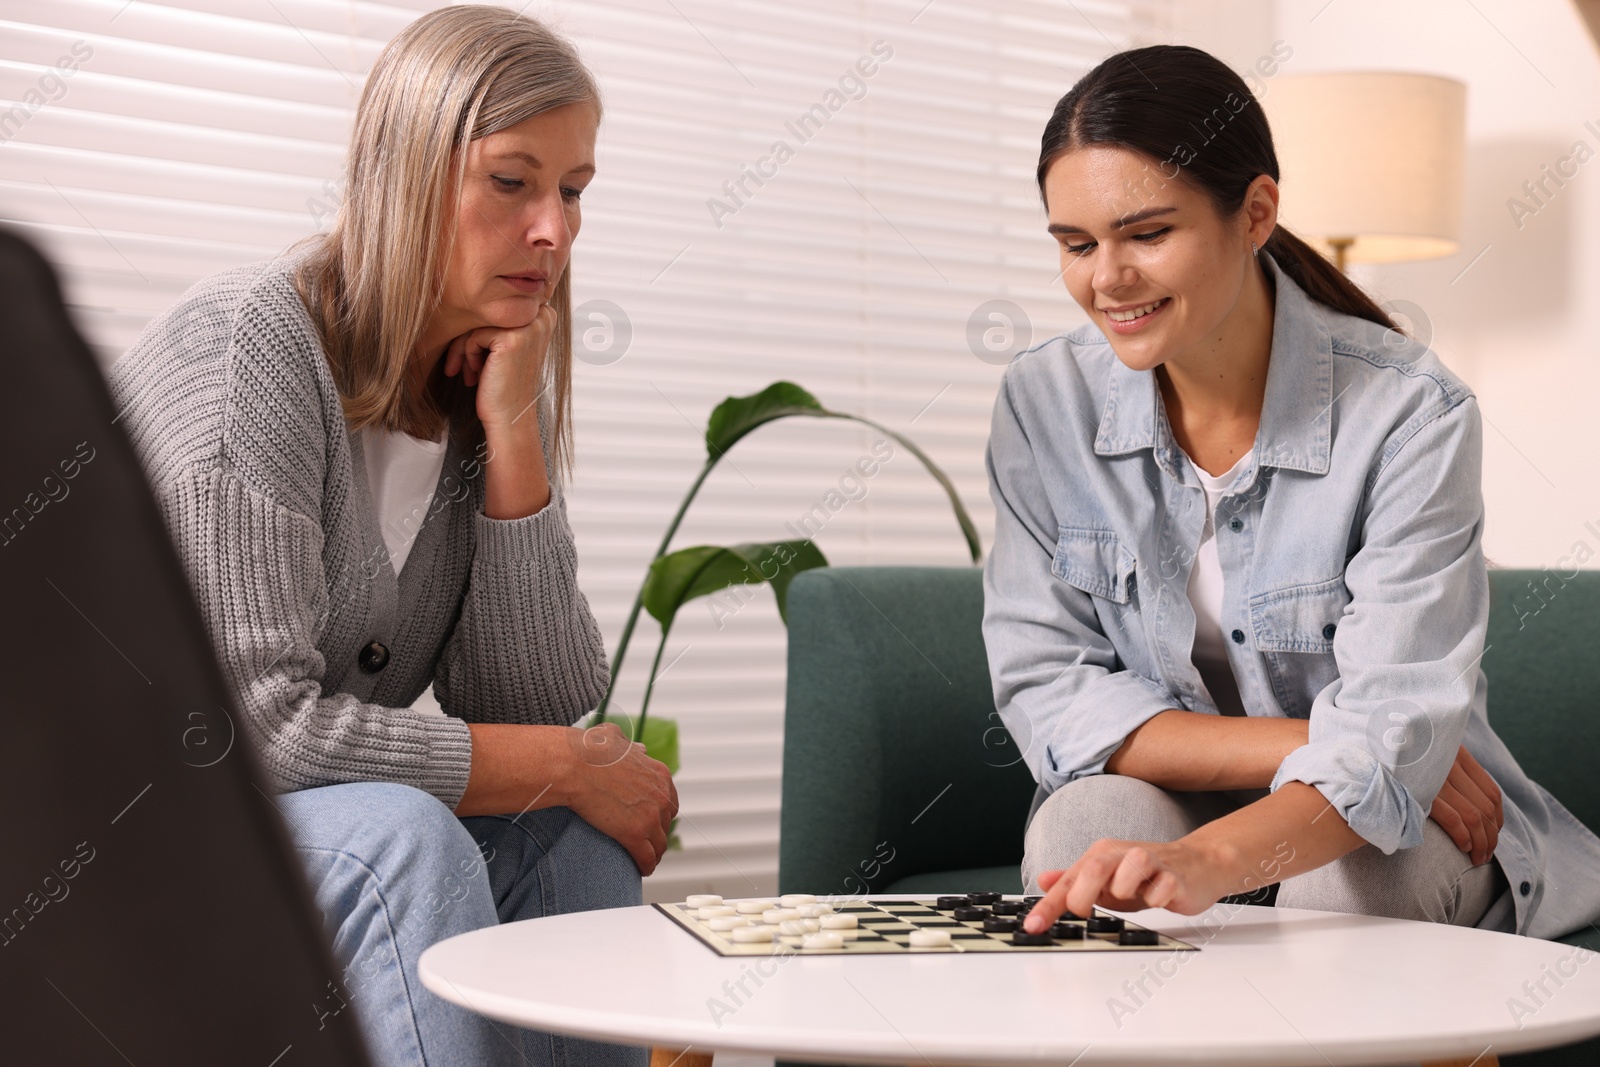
[
  {"x": 1292, "y": 831},
  {"x": 1194, "y": 752},
  {"x": 1289, "y": 832},
  {"x": 517, "y": 768}
]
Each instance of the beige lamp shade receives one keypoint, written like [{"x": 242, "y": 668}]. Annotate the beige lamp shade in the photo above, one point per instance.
[{"x": 1371, "y": 162}]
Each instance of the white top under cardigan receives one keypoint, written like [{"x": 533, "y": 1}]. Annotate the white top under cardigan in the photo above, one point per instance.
[{"x": 402, "y": 473}]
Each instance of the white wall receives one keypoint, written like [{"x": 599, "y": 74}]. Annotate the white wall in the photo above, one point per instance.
[{"x": 1518, "y": 324}]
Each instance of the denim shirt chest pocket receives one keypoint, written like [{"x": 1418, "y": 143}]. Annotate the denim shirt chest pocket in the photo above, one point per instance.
[
  {"x": 1294, "y": 628},
  {"x": 1095, "y": 561}
]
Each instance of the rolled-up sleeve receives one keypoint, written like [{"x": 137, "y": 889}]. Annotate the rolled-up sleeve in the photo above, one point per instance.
[
  {"x": 1058, "y": 684},
  {"x": 1383, "y": 736}
]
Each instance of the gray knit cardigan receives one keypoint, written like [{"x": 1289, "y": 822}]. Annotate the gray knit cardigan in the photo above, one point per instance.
[{"x": 229, "y": 401}]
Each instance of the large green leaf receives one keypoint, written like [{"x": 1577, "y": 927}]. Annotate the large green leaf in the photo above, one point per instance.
[
  {"x": 681, "y": 576},
  {"x": 738, "y": 415}
]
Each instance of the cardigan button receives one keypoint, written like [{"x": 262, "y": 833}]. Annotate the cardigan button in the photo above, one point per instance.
[
  {"x": 1525, "y": 888},
  {"x": 1235, "y": 525},
  {"x": 1238, "y": 637},
  {"x": 373, "y": 658},
  {"x": 1328, "y": 631}
]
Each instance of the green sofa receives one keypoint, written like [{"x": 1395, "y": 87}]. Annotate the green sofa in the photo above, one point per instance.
[{"x": 898, "y": 776}]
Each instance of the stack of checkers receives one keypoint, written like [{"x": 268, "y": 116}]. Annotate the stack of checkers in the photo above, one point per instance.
[{"x": 972, "y": 922}]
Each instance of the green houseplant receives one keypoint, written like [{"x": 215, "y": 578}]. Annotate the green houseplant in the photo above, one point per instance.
[{"x": 675, "y": 578}]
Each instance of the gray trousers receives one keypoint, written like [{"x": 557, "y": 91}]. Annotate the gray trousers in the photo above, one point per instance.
[{"x": 1434, "y": 882}]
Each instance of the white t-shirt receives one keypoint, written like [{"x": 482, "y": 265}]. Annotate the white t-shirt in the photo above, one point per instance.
[
  {"x": 1210, "y": 652},
  {"x": 402, "y": 473}
]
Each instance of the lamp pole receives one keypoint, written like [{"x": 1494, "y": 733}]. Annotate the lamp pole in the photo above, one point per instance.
[{"x": 1341, "y": 248}]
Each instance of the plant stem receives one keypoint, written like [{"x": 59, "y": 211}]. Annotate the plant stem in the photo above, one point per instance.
[
  {"x": 638, "y": 600},
  {"x": 666, "y": 628},
  {"x": 644, "y": 707}
]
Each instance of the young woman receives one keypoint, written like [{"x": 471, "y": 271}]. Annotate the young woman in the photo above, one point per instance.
[
  {"x": 359, "y": 448},
  {"x": 1237, "y": 598}
]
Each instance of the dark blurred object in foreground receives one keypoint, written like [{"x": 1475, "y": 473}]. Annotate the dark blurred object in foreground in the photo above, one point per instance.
[{"x": 151, "y": 909}]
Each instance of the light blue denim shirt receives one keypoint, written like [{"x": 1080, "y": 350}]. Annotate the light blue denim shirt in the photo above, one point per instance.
[{"x": 1356, "y": 592}]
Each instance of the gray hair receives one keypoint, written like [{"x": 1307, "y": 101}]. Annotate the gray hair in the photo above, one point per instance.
[{"x": 451, "y": 77}]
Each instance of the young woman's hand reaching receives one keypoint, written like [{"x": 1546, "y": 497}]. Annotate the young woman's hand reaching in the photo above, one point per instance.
[{"x": 1131, "y": 876}]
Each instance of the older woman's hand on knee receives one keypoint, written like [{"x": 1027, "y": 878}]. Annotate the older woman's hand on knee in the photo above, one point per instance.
[
  {"x": 606, "y": 779},
  {"x": 622, "y": 792}
]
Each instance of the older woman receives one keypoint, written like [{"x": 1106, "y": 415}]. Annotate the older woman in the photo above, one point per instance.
[{"x": 358, "y": 447}]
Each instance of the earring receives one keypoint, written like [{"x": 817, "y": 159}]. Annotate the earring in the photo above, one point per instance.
[{"x": 1253, "y": 249}]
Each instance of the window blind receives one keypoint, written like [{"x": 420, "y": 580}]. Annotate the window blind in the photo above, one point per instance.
[{"x": 833, "y": 193}]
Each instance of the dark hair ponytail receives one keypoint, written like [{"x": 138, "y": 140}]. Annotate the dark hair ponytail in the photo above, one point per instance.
[{"x": 1196, "y": 119}]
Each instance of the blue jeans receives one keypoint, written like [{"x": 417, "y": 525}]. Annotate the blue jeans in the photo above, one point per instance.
[{"x": 393, "y": 870}]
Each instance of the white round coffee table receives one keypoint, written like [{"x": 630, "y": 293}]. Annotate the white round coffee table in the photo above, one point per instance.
[{"x": 1270, "y": 986}]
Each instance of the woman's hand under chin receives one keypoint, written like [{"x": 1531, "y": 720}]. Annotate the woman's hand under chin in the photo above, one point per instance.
[{"x": 506, "y": 366}]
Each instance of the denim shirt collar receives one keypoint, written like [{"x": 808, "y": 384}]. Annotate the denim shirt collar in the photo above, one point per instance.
[{"x": 1296, "y": 414}]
